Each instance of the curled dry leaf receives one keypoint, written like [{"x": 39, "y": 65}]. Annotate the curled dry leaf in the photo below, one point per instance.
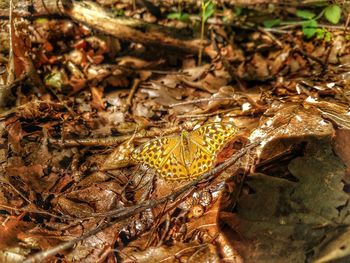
[
  {"x": 286, "y": 198},
  {"x": 120, "y": 157},
  {"x": 291, "y": 200},
  {"x": 97, "y": 100},
  {"x": 336, "y": 249},
  {"x": 291, "y": 123},
  {"x": 33, "y": 176},
  {"x": 186, "y": 252}
]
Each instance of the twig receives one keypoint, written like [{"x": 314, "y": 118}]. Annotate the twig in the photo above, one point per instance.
[
  {"x": 346, "y": 23},
  {"x": 5, "y": 180},
  {"x": 282, "y": 28},
  {"x": 200, "y": 52},
  {"x": 319, "y": 61},
  {"x": 124, "y": 213},
  {"x": 112, "y": 141},
  {"x": 203, "y": 115},
  {"x": 167, "y": 72},
  {"x": 335, "y": 27},
  {"x": 276, "y": 30},
  {"x": 11, "y": 69},
  {"x": 199, "y": 101},
  {"x": 37, "y": 212},
  {"x": 271, "y": 36},
  {"x": 39, "y": 257},
  {"x": 69, "y": 109},
  {"x": 132, "y": 92}
]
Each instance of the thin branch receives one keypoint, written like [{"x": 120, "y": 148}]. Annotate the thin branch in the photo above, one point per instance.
[
  {"x": 112, "y": 141},
  {"x": 132, "y": 92},
  {"x": 11, "y": 68},
  {"x": 204, "y": 115},
  {"x": 271, "y": 36},
  {"x": 200, "y": 101},
  {"x": 124, "y": 213}
]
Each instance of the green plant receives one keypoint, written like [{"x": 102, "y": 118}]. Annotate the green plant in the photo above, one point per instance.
[
  {"x": 207, "y": 10},
  {"x": 331, "y": 13},
  {"x": 117, "y": 12},
  {"x": 179, "y": 15},
  {"x": 184, "y": 17},
  {"x": 309, "y": 24},
  {"x": 272, "y": 22}
]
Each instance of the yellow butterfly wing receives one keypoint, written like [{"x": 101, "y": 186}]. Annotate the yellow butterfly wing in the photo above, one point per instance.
[
  {"x": 174, "y": 168},
  {"x": 206, "y": 142},
  {"x": 214, "y": 136},
  {"x": 163, "y": 155},
  {"x": 201, "y": 162},
  {"x": 174, "y": 159}
]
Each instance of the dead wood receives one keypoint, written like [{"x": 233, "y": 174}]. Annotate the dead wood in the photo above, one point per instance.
[{"x": 123, "y": 28}]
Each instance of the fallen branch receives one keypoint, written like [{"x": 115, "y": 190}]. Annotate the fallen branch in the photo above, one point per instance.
[
  {"x": 124, "y": 213},
  {"x": 113, "y": 141},
  {"x": 124, "y": 28}
]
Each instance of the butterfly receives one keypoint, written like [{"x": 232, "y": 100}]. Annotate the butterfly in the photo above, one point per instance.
[{"x": 188, "y": 155}]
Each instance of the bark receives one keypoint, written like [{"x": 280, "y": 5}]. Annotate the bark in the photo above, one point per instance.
[{"x": 102, "y": 19}]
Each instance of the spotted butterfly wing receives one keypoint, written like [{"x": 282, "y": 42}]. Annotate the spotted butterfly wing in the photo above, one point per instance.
[
  {"x": 174, "y": 167},
  {"x": 154, "y": 153},
  {"x": 214, "y": 136},
  {"x": 188, "y": 155},
  {"x": 209, "y": 139}
]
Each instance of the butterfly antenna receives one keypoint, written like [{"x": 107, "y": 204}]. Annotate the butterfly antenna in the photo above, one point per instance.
[{"x": 134, "y": 134}]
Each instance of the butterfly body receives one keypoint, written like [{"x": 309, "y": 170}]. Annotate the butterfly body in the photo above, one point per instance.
[{"x": 187, "y": 155}]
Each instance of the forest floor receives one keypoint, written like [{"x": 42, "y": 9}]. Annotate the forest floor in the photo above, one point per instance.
[{"x": 175, "y": 131}]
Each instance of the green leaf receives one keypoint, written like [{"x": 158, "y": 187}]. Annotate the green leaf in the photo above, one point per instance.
[
  {"x": 184, "y": 17},
  {"x": 321, "y": 3},
  {"x": 173, "y": 15},
  {"x": 117, "y": 12},
  {"x": 209, "y": 9},
  {"x": 54, "y": 80},
  {"x": 272, "y": 23},
  {"x": 305, "y": 14},
  {"x": 324, "y": 34},
  {"x": 320, "y": 33},
  {"x": 41, "y": 20},
  {"x": 328, "y": 36},
  {"x": 332, "y": 13},
  {"x": 238, "y": 11},
  {"x": 309, "y": 28}
]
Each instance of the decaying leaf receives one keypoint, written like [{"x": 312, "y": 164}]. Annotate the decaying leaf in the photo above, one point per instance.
[
  {"x": 85, "y": 84},
  {"x": 298, "y": 212}
]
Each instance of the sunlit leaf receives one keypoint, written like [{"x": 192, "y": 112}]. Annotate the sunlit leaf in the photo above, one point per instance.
[
  {"x": 272, "y": 23},
  {"x": 41, "y": 20},
  {"x": 332, "y": 13},
  {"x": 238, "y": 11},
  {"x": 309, "y": 28},
  {"x": 305, "y": 14},
  {"x": 54, "y": 80},
  {"x": 209, "y": 9},
  {"x": 184, "y": 17}
]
